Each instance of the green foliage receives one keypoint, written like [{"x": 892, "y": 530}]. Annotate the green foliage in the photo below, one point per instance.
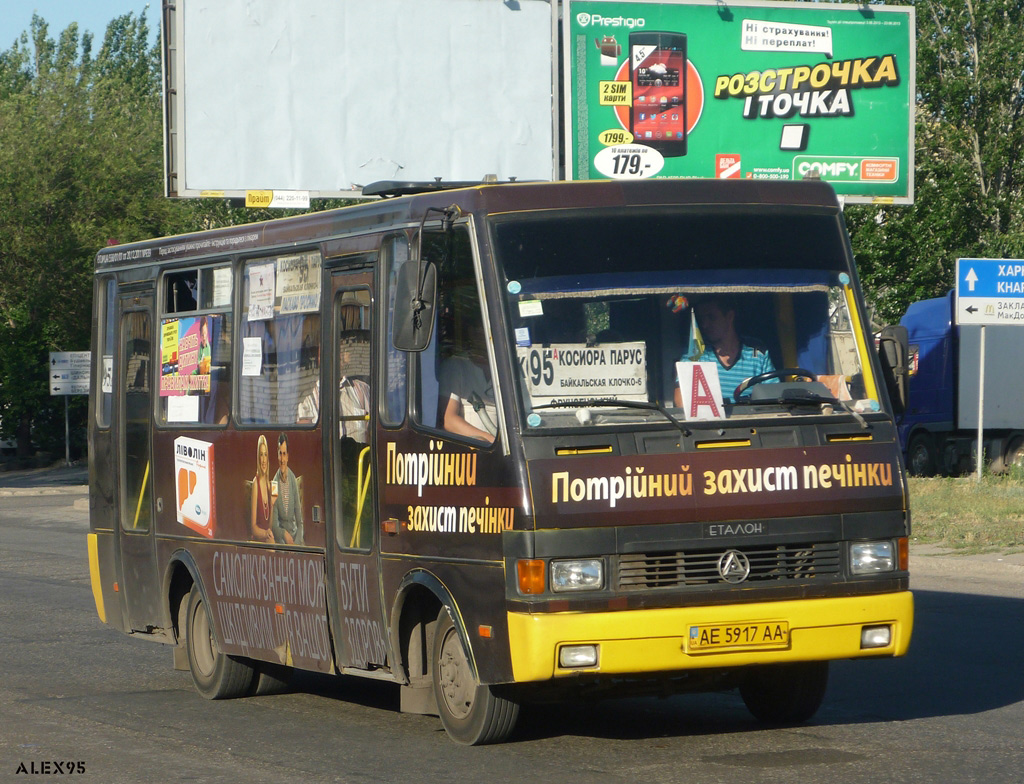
[
  {"x": 81, "y": 163},
  {"x": 81, "y": 166},
  {"x": 969, "y": 143},
  {"x": 80, "y": 142}
]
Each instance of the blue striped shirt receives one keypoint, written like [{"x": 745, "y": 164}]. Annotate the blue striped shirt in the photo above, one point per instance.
[{"x": 751, "y": 362}]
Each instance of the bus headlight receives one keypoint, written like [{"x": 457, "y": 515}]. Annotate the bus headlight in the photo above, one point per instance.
[
  {"x": 872, "y": 557},
  {"x": 577, "y": 575}
]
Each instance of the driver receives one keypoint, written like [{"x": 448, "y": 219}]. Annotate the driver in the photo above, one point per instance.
[{"x": 738, "y": 359}]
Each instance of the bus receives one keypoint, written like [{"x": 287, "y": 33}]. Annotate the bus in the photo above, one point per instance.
[{"x": 481, "y": 442}]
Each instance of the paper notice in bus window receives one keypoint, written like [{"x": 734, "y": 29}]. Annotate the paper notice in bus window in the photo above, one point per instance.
[
  {"x": 568, "y": 372},
  {"x": 182, "y": 408},
  {"x": 261, "y": 292},
  {"x": 531, "y": 307},
  {"x": 107, "y": 383},
  {"x": 222, "y": 287},
  {"x": 298, "y": 283},
  {"x": 252, "y": 357}
]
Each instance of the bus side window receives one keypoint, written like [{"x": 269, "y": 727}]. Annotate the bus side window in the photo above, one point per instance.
[
  {"x": 396, "y": 250},
  {"x": 195, "y": 346},
  {"x": 280, "y": 333},
  {"x": 455, "y": 381},
  {"x": 108, "y": 340}
]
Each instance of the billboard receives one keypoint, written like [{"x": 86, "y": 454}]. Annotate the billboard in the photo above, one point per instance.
[
  {"x": 756, "y": 90},
  {"x": 282, "y": 100}
]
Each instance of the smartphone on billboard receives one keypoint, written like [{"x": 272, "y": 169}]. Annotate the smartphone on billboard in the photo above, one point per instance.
[{"x": 657, "y": 68}]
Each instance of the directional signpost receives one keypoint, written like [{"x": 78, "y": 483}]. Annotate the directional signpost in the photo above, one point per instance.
[
  {"x": 988, "y": 292},
  {"x": 69, "y": 375}
]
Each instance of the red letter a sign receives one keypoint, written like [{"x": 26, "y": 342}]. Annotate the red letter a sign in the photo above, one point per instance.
[{"x": 701, "y": 390}]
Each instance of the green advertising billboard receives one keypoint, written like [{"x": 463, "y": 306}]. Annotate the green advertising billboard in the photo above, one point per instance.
[{"x": 755, "y": 90}]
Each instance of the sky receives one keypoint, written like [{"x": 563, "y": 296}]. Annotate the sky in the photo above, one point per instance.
[{"x": 91, "y": 15}]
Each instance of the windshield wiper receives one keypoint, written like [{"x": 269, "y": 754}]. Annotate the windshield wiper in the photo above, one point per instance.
[{"x": 608, "y": 403}]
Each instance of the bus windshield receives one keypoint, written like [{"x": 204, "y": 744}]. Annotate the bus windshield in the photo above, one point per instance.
[{"x": 609, "y": 310}]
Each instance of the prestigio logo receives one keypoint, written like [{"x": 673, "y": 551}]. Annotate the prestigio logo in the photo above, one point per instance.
[{"x": 596, "y": 20}]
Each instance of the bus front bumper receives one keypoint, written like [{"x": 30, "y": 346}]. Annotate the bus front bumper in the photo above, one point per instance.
[{"x": 635, "y": 642}]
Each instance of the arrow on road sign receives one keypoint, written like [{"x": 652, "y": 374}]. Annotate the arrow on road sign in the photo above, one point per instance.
[
  {"x": 972, "y": 309},
  {"x": 972, "y": 278}
]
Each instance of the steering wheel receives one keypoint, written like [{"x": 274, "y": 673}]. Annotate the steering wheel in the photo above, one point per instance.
[{"x": 747, "y": 383}]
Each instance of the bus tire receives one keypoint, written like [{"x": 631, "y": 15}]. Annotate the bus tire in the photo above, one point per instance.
[
  {"x": 785, "y": 693},
  {"x": 216, "y": 675},
  {"x": 472, "y": 714}
]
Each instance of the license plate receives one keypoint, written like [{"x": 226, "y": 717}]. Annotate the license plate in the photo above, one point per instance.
[{"x": 721, "y": 636}]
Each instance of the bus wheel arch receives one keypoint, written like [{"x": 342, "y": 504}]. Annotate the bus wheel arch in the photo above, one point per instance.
[
  {"x": 419, "y": 600},
  {"x": 181, "y": 575},
  {"x": 178, "y": 584}
]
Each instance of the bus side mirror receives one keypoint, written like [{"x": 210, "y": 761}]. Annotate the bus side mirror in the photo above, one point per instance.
[
  {"x": 415, "y": 303},
  {"x": 893, "y": 351}
]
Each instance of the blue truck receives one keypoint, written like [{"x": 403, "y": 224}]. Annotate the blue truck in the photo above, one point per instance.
[{"x": 939, "y": 428}]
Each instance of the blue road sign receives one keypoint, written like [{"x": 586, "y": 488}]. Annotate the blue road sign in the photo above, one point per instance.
[{"x": 990, "y": 291}]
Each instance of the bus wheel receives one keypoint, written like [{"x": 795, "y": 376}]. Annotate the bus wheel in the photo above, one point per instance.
[
  {"x": 216, "y": 675},
  {"x": 785, "y": 693},
  {"x": 471, "y": 714}
]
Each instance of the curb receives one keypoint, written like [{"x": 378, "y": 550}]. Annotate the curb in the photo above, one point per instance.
[{"x": 15, "y": 492}]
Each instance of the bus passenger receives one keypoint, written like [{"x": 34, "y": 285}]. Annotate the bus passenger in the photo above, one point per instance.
[
  {"x": 353, "y": 391},
  {"x": 259, "y": 523},
  {"x": 467, "y": 395},
  {"x": 737, "y": 359},
  {"x": 286, "y": 516}
]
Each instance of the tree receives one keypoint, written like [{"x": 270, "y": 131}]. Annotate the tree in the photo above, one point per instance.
[
  {"x": 81, "y": 163},
  {"x": 969, "y": 143},
  {"x": 79, "y": 144}
]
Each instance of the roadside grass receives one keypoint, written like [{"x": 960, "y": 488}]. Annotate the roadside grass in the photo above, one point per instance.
[{"x": 964, "y": 514}]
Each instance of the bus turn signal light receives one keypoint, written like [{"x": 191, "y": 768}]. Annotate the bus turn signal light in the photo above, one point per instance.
[{"x": 531, "y": 576}]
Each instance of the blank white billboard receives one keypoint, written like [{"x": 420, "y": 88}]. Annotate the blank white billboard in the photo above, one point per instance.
[{"x": 325, "y": 96}]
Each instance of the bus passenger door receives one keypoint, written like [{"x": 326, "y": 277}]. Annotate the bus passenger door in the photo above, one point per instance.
[
  {"x": 355, "y": 599},
  {"x": 140, "y": 578}
]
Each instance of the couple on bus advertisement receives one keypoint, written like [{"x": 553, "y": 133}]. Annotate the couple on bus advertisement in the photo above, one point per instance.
[{"x": 276, "y": 504}]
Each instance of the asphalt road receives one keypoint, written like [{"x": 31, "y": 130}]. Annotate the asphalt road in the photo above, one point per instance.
[{"x": 78, "y": 695}]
